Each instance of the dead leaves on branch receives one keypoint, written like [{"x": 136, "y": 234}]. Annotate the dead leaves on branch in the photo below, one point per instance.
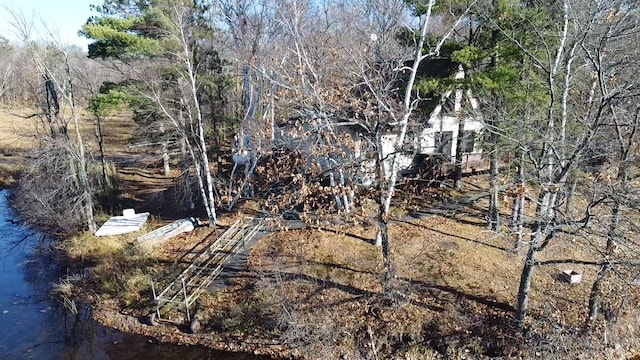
[{"x": 287, "y": 181}]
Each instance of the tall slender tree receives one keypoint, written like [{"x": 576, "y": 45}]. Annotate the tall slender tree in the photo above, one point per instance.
[
  {"x": 53, "y": 62},
  {"x": 167, "y": 33}
]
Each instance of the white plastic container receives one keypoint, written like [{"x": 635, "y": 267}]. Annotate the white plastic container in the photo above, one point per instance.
[{"x": 571, "y": 276}]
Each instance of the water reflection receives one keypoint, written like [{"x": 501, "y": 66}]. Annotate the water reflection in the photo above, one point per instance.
[{"x": 34, "y": 326}]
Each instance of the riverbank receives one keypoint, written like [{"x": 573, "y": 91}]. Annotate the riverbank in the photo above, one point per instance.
[
  {"x": 128, "y": 309},
  {"x": 77, "y": 279},
  {"x": 35, "y": 325},
  {"x": 315, "y": 292}
]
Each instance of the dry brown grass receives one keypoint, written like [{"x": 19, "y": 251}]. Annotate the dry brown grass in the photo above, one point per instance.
[
  {"x": 20, "y": 129},
  {"x": 17, "y": 135},
  {"x": 315, "y": 283},
  {"x": 319, "y": 291}
]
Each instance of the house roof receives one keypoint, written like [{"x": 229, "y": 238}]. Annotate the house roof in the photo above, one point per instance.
[{"x": 452, "y": 101}]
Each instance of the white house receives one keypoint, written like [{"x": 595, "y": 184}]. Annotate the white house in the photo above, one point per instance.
[
  {"x": 435, "y": 138},
  {"x": 439, "y": 133}
]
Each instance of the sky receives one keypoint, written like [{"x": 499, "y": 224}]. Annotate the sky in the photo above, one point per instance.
[{"x": 63, "y": 16}]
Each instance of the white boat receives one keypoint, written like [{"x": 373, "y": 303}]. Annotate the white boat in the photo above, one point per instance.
[
  {"x": 160, "y": 235},
  {"x": 127, "y": 223}
]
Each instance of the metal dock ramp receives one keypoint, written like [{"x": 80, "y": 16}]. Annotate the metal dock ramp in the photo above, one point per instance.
[{"x": 183, "y": 292}]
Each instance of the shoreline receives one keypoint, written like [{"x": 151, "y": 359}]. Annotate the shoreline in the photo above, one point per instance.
[
  {"x": 128, "y": 324},
  {"x": 178, "y": 335}
]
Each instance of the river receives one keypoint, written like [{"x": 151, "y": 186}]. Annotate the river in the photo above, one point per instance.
[{"x": 35, "y": 326}]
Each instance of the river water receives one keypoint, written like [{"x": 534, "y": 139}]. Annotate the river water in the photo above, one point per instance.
[{"x": 35, "y": 326}]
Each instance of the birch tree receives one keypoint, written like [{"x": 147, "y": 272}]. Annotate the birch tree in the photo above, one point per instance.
[
  {"x": 396, "y": 118},
  {"x": 565, "y": 66},
  {"x": 169, "y": 35},
  {"x": 53, "y": 63}
]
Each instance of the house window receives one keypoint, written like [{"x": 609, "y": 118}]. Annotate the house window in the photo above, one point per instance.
[
  {"x": 443, "y": 142},
  {"x": 468, "y": 141}
]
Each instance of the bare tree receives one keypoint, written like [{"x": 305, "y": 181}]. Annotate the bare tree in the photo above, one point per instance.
[
  {"x": 249, "y": 26},
  {"x": 398, "y": 117},
  {"x": 53, "y": 63},
  {"x": 621, "y": 196},
  {"x": 7, "y": 69},
  {"x": 617, "y": 28},
  {"x": 371, "y": 67},
  {"x": 168, "y": 34},
  {"x": 568, "y": 62},
  {"x": 291, "y": 80},
  {"x": 180, "y": 15}
]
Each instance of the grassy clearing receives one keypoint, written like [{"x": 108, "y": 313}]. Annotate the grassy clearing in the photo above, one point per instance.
[
  {"x": 21, "y": 128},
  {"x": 17, "y": 131},
  {"x": 318, "y": 290},
  {"x": 17, "y": 135},
  {"x": 119, "y": 272}
]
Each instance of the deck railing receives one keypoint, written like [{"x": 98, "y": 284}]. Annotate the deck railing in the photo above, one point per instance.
[{"x": 185, "y": 289}]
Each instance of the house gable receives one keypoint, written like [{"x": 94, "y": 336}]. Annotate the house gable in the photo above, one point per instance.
[{"x": 440, "y": 133}]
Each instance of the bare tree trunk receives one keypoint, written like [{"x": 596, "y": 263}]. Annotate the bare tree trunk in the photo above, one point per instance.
[
  {"x": 570, "y": 192},
  {"x": 517, "y": 213},
  {"x": 526, "y": 278},
  {"x": 272, "y": 114},
  {"x": 387, "y": 181},
  {"x": 82, "y": 159},
  {"x": 209, "y": 199},
  {"x": 612, "y": 234},
  {"x": 82, "y": 171},
  {"x": 52, "y": 111},
  {"x": 165, "y": 153},
  {"x": 103, "y": 161},
  {"x": 457, "y": 172},
  {"x": 520, "y": 221},
  {"x": 596, "y": 288},
  {"x": 332, "y": 182},
  {"x": 380, "y": 198},
  {"x": 347, "y": 200},
  {"x": 185, "y": 155},
  {"x": 205, "y": 171},
  {"x": 494, "y": 214},
  {"x": 389, "y": 271},
  {"x": 166, "y": 166},
  {"x": 186, "y": 176},
  {"x": 217, "y": 144},
  {"x": 540, "y": 229}
]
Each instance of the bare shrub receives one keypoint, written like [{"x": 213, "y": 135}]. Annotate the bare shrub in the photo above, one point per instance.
[{"x": 48, "y": 194}]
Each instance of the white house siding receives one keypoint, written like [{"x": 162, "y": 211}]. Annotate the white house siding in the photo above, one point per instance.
[
  {"x": 426, "y": 143},
  {"x": 404, "y": 158}
]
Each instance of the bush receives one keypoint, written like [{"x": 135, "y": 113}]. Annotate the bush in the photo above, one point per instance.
[{"x": 49, "y": 194}]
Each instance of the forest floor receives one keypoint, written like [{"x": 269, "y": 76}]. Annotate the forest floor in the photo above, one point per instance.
[{"x": 316, "y": 292}]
